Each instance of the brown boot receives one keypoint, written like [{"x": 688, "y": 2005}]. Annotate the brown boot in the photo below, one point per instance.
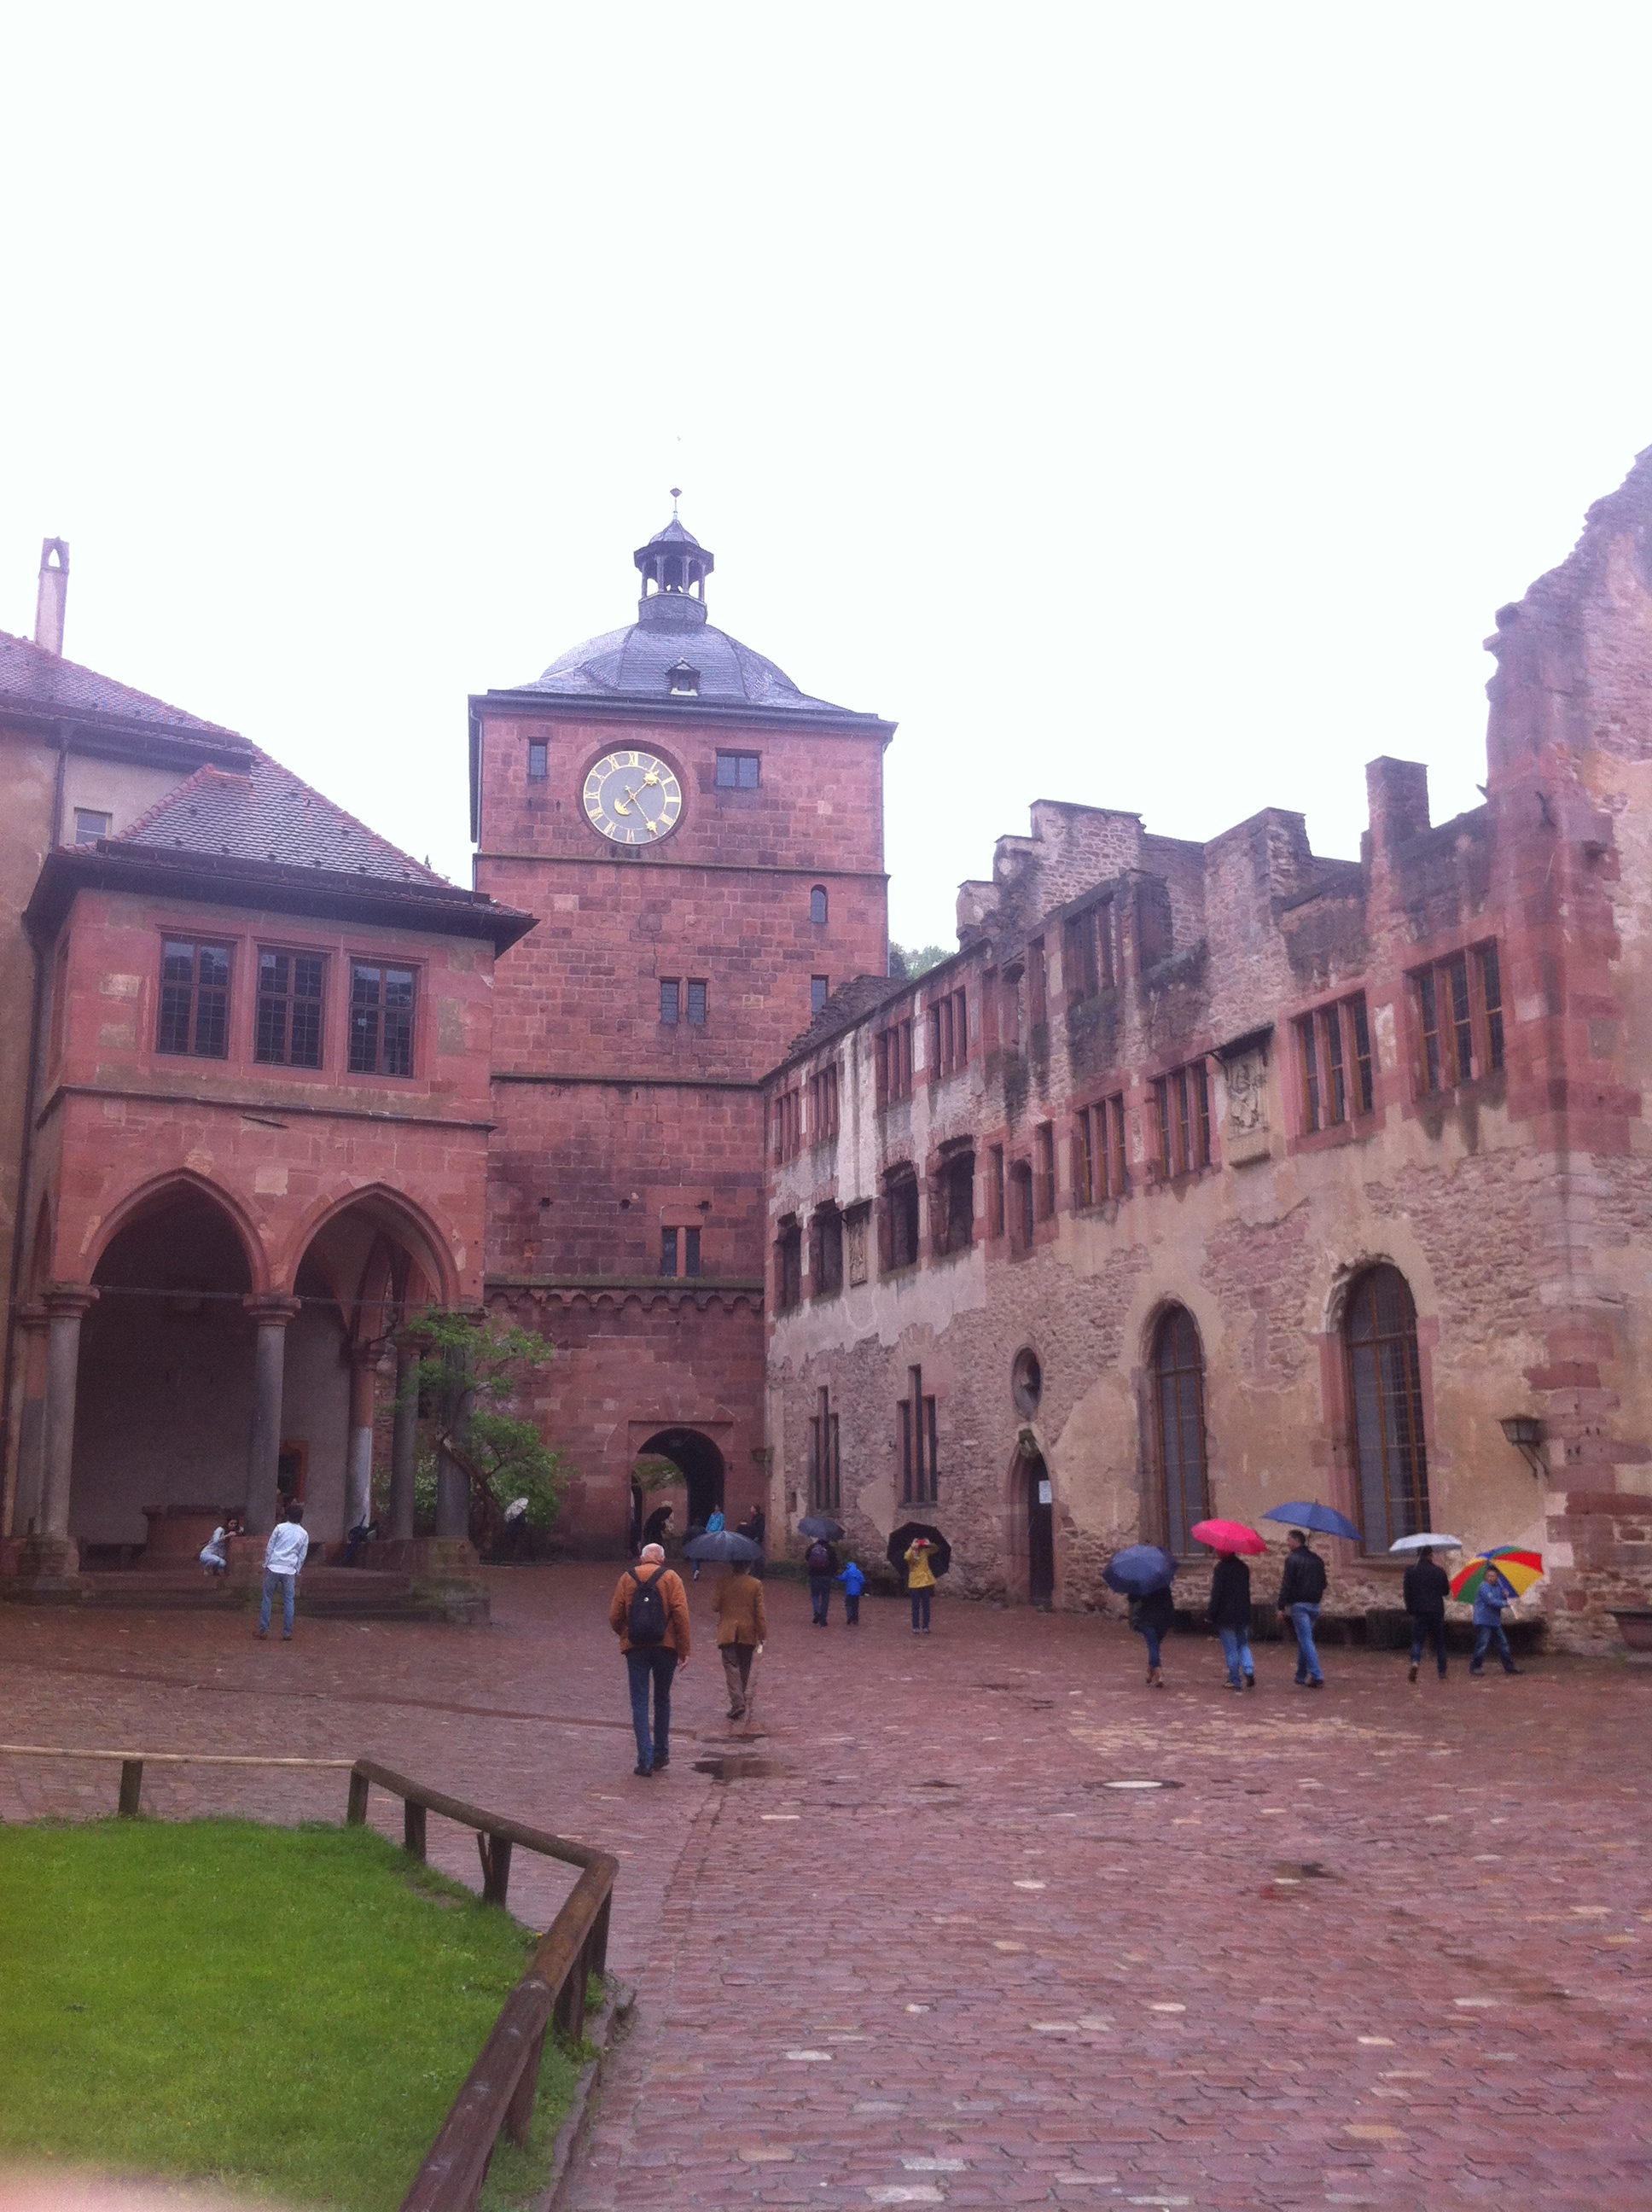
[{"x": 1156, "y": 1677}]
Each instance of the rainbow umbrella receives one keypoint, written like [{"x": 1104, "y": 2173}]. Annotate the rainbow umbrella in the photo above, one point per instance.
[
  {"x": 1229, "y": 1536},
  {"x": 1519, "y": 1570}
]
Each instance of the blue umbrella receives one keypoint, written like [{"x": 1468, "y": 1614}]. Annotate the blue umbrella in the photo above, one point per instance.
[
  {"x": 1320, "y": 1518},
  {"x": 1139, "y": 1569}
]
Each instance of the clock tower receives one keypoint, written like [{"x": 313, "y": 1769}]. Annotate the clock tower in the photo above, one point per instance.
[{"x": 703, "y": 842}]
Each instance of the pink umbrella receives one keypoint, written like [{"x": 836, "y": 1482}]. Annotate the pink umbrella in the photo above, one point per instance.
[{"x": 1228, "y": 1536}]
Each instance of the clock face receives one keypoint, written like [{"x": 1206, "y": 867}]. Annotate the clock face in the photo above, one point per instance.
[{"x": 633, "y": 799}]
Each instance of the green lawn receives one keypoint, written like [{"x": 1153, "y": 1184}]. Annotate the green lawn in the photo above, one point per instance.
[{"x": 287, "y": 2009}]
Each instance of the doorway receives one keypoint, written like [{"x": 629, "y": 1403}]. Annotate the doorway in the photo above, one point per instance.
[
  {"x": 1041, "y": 1533},
  {"x": 700, "y": 1465}
]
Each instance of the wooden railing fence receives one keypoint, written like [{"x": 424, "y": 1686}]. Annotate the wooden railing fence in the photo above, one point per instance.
[{"x": 499, "y": 2092}]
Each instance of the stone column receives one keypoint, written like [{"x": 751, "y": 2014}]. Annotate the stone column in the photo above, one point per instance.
[
  {"x": 272, "y": 1313},
  {"x": 403, "y": 1451},
  {"x": 358, "y": 1461},
  {"x": 29, "y": 1436},
  {"x": 64, "y": 1305}
]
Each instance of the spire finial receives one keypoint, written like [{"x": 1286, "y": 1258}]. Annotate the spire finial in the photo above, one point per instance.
[{"x": 677, "y": 494}]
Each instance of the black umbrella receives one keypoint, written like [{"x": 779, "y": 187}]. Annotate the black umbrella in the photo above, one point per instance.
[
  {"x": 940, "y": 1554},
  {"x": 723, "y": 1546},
  {"x": 823, "y": 1526}
]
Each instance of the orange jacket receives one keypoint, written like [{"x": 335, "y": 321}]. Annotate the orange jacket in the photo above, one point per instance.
[{"x": 677, "y": 1606}]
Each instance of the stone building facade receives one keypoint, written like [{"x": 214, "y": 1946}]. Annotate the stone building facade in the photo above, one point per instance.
[
  {"x": 703, "y": 845},
  {"x": 247, "y": 1115},
  {"x": 1207, "y": 1177}
]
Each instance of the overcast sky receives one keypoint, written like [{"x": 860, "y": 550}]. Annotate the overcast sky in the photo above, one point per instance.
[{"x": 1145, "y": 406}]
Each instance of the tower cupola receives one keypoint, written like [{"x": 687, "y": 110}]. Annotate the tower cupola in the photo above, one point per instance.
[{"x": 674, "y": 566}]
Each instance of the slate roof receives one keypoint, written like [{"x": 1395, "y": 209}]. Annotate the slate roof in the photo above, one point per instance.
[
  {"x": 635, "y": 663},
  {"x": 40, "y": 682},
  {"x": 269, "y": 814},
  {"x": 850, "y": 1003}
]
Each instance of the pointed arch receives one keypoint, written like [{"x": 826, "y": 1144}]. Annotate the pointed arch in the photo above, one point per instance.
[
  {"x": 153, "y": 1198},
  {"x": 1176, "y": 1366},
  {"x": 398, "y": 1219}
]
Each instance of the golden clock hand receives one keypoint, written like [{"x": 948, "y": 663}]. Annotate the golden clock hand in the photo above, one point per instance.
[{"x": 620, "y": 806}]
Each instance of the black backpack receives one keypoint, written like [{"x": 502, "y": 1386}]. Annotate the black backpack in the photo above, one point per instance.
[
  {"x": 820, "y": 1560},
  {"x": 645, "y": 1621}
]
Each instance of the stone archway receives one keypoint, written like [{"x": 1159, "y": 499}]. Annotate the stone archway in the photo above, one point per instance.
[
  {"x": 700, "y": 1464},
  {"x": 164, "y": 1385}
]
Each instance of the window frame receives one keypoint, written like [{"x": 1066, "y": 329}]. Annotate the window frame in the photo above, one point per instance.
[
  {"x": 1457, "y": 1006},
  {"x": 822, "y": 1105},
  {"x": 737, "y": 779},
  {"x": 948, "y": 1019},
  {"x": 1178, "y": 1541},
  {"x": 539, "y": 760},
  {"x": 820, "y": 990},
  {"x": 820, "y": 906},
  {"x": 413, "y": 970},
  {"x": 225, "y": 991},
  {"x": 1375, "y": 1491},
  {"x": 672, "y": 985},
  {"x": 892, "y": 1061},
  {"x": 826, "y": 1251},
  {"x": 952, "y": 1201},
  {"x": 918, "y": 1431},
  {"x": 291, "y": 1000},
  {"x": 1184, "y": 1141},
  {"x": 84, "y": 814},
  {"x": 1336, "y": 1066},
  {"x": 899, "y": 1192},
  {"x": 788, "y": 1265},
  {"x": 692, "y": 984}
]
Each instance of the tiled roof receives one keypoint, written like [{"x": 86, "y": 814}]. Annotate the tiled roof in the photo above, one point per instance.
[
  {"x": 847, "y": 1005},
  {"x": 270, "y": 814},
  {"x": 42, "y": 683},
  {"x": 636, "y": 664}
]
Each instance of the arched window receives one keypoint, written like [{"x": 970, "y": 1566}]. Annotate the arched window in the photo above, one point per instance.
[
  {"x": 817, "y": 903},
  {"x": 1179, "y": 1409},
  {"x": 1386, "y": 1386}
]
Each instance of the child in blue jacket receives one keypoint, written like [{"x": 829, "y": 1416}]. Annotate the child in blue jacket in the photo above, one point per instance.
[{"x": 853, "y": 1583}]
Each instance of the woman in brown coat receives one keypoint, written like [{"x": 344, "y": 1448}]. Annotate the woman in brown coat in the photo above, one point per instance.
[{"x": 742, "y": 1629}]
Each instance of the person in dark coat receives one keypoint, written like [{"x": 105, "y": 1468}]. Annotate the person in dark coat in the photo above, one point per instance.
[
  {"x": 1151, "y": 1618},
  {"x": 1230, "y": 1616},
  {"x": 1302, "y": 1588},
  {"x": 1425, "y": 1590},
  {"x": 654, "y": 1527}
]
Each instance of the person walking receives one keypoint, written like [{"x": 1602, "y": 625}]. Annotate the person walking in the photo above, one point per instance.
[
  {"x": 1302, "y": 1590},
  {"x": 650, "y": 1616},
  {"x": 654, "y": 1527},
  {"x": 819, "y": 1563},
  {"x": 283, "y": 1559},
  {"x": 1424, "y": 1593},
  {"x": 920, "y": 1582},
  {"x": 1230, "y": 1616},
  {"x": 754, "y": 1525},
  {"x": 1490, "y": 1599},
  {"x": 741, "y": 1631},
  {"x": 1151, "y": 1616},
  {"x": 853, "y": 1583}
]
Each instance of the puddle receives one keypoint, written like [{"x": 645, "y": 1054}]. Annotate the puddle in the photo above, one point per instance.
[{"x": 732, "y": 1767}]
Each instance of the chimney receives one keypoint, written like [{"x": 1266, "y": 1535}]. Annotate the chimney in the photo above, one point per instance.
[{"x": 52, "y": 595}]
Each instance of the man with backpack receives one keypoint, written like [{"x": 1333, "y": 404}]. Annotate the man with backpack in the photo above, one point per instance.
[
  {"x": 650, "y": 1616},
  {"x": 821, "y": 1565},
  {"x": 1302, "y": 1588}
]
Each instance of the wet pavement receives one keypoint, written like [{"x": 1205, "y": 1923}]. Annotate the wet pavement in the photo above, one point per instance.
[{"x": 929, "y": 1940}]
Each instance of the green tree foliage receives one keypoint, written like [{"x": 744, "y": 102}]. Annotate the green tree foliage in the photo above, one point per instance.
[
  {"x": 913, "y": 961},
  {"x": 471, "y": 1366}
]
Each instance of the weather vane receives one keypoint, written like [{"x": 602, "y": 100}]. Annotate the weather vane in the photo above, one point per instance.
[{"x": 677, "y": 494}]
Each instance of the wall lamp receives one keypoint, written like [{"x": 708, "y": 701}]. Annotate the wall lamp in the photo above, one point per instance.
[{"x": 1525, "y": 1434}]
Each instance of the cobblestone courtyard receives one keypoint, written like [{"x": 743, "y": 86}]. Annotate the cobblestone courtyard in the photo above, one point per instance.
[{"x": 1382, "y": 1945}]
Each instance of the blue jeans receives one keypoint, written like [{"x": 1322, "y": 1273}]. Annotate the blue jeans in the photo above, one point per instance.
[
  {"x": 1302, "y": 1618},
  {"x": 1152, "y": 1637},
  {"x": 1487, "y": 1634},
  {"x": 657, "y": 1663},
  {"x": 920, "y": 1609},
  {"x": 288, "y": 1585},
  {"x": 851, "y": 1609},
  {"x": 820, "y": 1596},
  {"x": 1235, "y": 1650},
  {"x": 1424, "y": 1624}
]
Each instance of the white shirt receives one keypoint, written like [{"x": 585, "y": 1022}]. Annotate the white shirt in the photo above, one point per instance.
[{"x": 284, "y": 1553}]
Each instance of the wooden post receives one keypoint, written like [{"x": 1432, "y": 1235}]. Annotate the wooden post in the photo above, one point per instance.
[
  {"x": 518, "y": 2113},
  {"x": 355, "y": 1811},
  {"x": 413, "y": 1828},
  {"x": 599, "y": 1936},
  {"x": 131, "y": 1786},
  {"x": 496, "y": 1854}
]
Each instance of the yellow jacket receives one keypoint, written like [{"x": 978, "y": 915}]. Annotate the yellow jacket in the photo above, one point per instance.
[{"x": 919, "y": 1574}]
